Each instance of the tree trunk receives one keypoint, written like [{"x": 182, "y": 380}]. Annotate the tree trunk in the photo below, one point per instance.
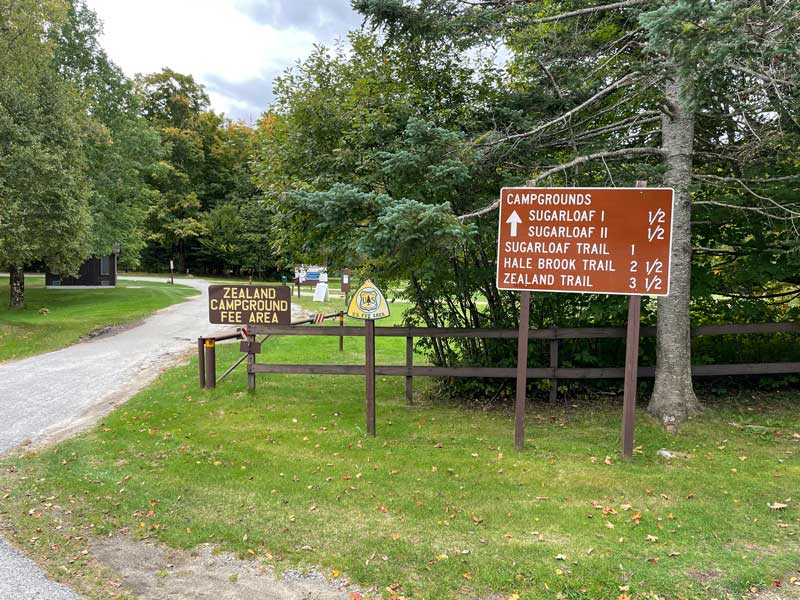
[
  {"x": 673, "y": 398},
  {"x": 16, "y": 287}
]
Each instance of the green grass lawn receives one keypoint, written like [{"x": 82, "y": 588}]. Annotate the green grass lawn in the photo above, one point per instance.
[
  {"x": 71, "y": 314},
  {"x": 438, "y": 505}
]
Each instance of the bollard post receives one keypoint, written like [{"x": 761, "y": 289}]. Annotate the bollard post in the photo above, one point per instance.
[
  {"x": 211, "y": 363},
  {"x": 201, "y": 362},
  {"x": 341, "y": 337}
]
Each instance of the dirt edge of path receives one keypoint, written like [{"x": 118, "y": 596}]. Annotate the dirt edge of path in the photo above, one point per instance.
[{"x": 156, "y": 572}]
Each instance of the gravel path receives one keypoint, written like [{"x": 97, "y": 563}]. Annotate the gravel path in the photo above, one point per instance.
[{"x": 45, "y": 398}]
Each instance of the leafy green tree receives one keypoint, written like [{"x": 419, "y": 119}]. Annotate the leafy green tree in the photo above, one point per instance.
[
  {"x": 172, "y": 99},
  {"x": 364, "y": 161},
  {"x": 666, "y": 87},
  {"x": 121, "y": 148},
  {"x": 175, "y": 104},
  {"x": 204, "y": 182},
  {"x": 44, "y": 190}
]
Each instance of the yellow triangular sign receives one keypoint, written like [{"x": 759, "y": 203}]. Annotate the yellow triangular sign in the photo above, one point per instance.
[{"x": 368, "y": 303}]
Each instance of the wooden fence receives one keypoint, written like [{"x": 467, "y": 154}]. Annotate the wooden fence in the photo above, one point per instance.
[
  {"x": 251, "y": 348},
  {"x": 553, "y": 372}
]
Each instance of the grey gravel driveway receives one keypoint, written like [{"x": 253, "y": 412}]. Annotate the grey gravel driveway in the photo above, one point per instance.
[{"x": 49, "y": 396}]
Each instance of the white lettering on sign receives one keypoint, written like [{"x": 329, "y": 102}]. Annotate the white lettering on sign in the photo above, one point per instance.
[
  {"x": 585, "y": 240},
  {"x": 549, "y": 199}
]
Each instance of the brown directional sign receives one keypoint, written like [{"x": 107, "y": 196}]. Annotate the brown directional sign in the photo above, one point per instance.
[
  {"x": 250, "y": 305},
  {"x": 585, "y": 240}
]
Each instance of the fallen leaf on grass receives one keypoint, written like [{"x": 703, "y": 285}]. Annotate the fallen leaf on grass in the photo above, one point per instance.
[
  {"x": 651, "y": 538},
  {"x": 777, "y": 506}
]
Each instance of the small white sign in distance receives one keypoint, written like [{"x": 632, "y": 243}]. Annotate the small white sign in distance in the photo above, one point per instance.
[{"x": 321, "y": 292}]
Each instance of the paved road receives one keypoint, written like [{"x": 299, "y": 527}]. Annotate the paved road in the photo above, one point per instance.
[{"x": 47, "y": 397}]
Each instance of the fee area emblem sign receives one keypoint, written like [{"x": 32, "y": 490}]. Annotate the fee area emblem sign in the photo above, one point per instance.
[
  {"x": 585, "y": 240},
  {"x": 368, "y": 303}
]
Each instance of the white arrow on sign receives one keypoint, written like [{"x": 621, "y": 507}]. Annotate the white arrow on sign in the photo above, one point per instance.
[{"x": 514, "y": 220}]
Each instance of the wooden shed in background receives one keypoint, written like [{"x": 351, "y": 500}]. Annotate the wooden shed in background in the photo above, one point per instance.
[{"x": 98, "y": 271}]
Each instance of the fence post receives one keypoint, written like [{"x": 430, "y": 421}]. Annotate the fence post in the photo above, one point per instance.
[
  {"x": 201, "y": 362},
  {"x": 211, "y": 363},
  {"x": 409, "y": 364},
  {"x": 554, "y": 365},
  {"x": 341, "y": 337},
  {"x": 251, "y": 360},
  {"x": 522, "y": 369},
  {"x": 369, "y": 349}
]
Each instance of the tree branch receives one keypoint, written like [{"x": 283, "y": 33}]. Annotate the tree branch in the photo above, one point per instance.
[
  {"x": 792, "y": 215},
  {"x": 751, "y": 180},
  {"x": 587, "y": 11},
  {"x": 625, "y": 152},
  {"x": 563, "y": 118}
]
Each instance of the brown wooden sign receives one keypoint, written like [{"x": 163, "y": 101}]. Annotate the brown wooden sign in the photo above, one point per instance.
[
  {"x": 249, "y": 305},
  {"x": 346, "y": 281},
  {"x": 585, "y": 240}
]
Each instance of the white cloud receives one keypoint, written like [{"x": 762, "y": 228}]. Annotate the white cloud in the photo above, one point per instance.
[
  {"x": 233, "y": 107},
  {"x": 209, "y": 39}
]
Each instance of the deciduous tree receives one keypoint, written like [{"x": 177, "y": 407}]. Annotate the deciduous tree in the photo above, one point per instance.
[{"x": 44, "y": 190}]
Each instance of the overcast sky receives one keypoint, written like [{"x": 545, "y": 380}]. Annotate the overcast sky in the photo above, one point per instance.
[{"x": 234, "y": 47}]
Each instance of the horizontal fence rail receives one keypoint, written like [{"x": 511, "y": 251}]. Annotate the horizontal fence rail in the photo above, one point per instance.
[
  {"x": 511, "y": 372},
  {"x": 550, "y": 333},
  {"x": 555, "y": 335}
]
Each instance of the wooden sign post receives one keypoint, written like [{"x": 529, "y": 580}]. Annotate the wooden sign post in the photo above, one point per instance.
[
  {"x": 369, "y": 351},
  {"x": 631, "y": 368},
  {"x": 369, "y": 304},
  {"x": 585, "y": 241},
  {"x": 522, "y": 369}
]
